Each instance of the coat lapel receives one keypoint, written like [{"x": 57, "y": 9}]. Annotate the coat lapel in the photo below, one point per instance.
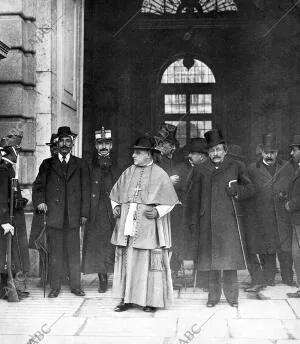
[
  {"x": 296, "y": 175},
  {"x": 72, "y": 166},
  {"x": 56, "y": 165}
]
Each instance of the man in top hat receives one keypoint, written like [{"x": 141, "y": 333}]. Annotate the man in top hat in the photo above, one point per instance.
[
  {"x": 220, "y": 242},
  {"x": 142, "y": 199},
  {"x": 10, "y": 147},
  {"x": 62, "y": 191},
  {"x": 98, "y": 254},
  {"x": 268, "y": 229},
  {"x": 292, "y": 205},
  {"x": 53, "y": 145}
]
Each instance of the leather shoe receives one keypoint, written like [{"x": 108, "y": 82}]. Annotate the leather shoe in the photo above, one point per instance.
[
  {"x": 211, "y": 304},
  {"x": 149, "y": 309},
  {"x": 122, "y": 307},
  {"x": 78, "y": 292},
  {"x": 234, "y": 304},
  {"x": 255, "y": 288},
  {"x": 295, "y": 295},
  {"x": 53, "y": 293}
]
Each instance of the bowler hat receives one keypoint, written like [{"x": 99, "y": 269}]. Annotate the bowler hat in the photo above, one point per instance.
[
  {"x": 269, "y": 142},
  {"x": 214, "y": 137},
  {"x": 53, "y": 140},
  {"x": 145, "y": 143},
  {"x": 65, "y": 131},
  {"x": 295, "y": 141},
  {"x": 197, "y": 144}
]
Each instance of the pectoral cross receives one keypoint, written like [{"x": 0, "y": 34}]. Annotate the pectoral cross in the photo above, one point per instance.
[{"x": 137, "y": 190}]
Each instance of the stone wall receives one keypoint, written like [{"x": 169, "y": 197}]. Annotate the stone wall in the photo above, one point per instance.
[{"x": 44, "y": 63}]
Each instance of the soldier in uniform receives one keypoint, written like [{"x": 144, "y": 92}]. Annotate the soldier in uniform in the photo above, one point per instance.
[
  {"x": 98, "y": 252},
  {"x": 62, "y": 191},
  {"x": 9, "y": 149}
]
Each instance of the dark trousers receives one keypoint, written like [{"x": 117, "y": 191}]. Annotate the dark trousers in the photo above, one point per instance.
[
  {"x": 263, "y": 270},
  {"x": 64, "y": 244},
  {"x": 230, "y": 285}
]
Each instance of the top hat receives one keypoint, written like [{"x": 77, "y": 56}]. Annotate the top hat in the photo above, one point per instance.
[
  {"x": 11, "y": 140},
  {"x": 214, "y": 137},
  {"x": 167, "y": 132},
  {"x": 269, "y": 142},
  {"x": 145, "y": 143},
  {"x": 65, "y": 131},
  {"x": 236, "y": 152},
  {"x": 295, "y": 141},
  {"x": 197, "y": 144},
  {"x": 103, "y": 135},
  {"x": 53, "y": 140}
]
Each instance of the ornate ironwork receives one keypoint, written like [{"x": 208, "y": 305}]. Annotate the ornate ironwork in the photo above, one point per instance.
[{"x": 163, "y": 7}]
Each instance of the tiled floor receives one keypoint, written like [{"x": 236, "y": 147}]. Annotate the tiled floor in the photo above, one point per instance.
[{"x": 73, "y": 320}]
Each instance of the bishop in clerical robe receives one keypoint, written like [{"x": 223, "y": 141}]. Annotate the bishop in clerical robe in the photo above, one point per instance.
[{"x": 142, "y": 199}]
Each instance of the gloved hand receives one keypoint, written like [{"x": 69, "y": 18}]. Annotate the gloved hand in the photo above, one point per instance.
[
  {"x": 83, "y": 221},
  {"x": 117, "y": 211},
  {"x": 7, "y": 227},
  {"x": 42, "y": 208},
  {"x": 174, "y": 179},
  {"x": 232, "y": 190},
  {"x": 151, "y": 214}
]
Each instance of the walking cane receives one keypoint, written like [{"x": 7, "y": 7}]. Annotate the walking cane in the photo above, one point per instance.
[
  {"x": 238, "y": 224},
  {"x": 12, "y": 294}
]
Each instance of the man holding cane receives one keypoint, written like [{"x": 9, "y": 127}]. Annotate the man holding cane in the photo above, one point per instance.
[
  {"x": 220, "y": 241},
  {"x": 61, "y": 190}
]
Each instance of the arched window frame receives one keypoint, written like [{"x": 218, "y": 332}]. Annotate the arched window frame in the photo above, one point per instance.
[{"x": 187, "y": 89}]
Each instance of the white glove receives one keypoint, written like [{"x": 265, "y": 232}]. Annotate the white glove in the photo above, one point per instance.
[
  {"x": 7, "y": 227},
  {"x": 174, "y": 179}
]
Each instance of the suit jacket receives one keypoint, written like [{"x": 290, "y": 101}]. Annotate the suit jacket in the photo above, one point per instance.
[{"x": 52, "y": 188}]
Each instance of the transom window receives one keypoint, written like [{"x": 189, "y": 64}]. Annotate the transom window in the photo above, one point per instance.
[
  {"x": 187, "y": 98},
  {"x": 161, "y": 7}
]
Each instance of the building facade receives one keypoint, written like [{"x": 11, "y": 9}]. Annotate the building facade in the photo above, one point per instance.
[{"x": 129, "y": 65}]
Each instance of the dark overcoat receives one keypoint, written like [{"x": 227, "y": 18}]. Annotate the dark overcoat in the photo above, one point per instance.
[
  {"x": 294, "y": 202},
  {"x": 98, "y": 252},
  {"x": 267, "y": 223},
  {"x": 182, "y": 239},
  {"x": 20, "y": 253},
  {"x": 50, "y": 187},
  {"x": 219, "y": 245}
]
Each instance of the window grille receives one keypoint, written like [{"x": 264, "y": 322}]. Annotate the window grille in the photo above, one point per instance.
[{"x": 188, "y": 99}]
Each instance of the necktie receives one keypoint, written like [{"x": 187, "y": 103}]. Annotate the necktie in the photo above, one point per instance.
[{"x": 64, "y": 166}]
